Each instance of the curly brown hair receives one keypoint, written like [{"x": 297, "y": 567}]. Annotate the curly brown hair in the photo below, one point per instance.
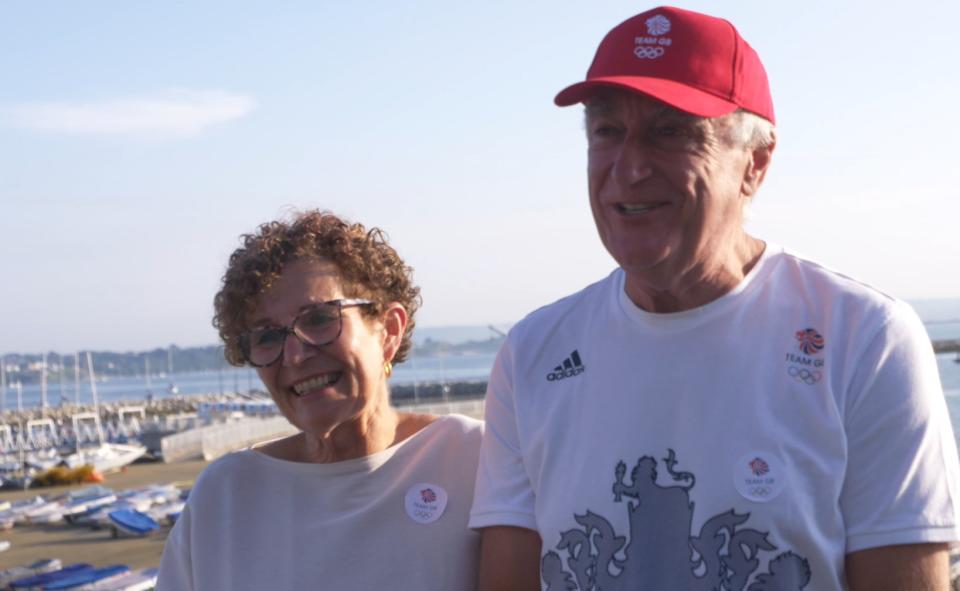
[{"x": 369, "y": 268}]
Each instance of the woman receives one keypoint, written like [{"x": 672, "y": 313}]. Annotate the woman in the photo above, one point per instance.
[{"x": 363, "y": 497}]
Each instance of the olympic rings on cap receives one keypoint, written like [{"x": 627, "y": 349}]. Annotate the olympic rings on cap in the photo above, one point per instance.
[
  {"x": 423, "y": 514},
  {"x": 804, "y": 375},
  {"x": 644, "y": 52},
  {"x": 760, "y": 491}
]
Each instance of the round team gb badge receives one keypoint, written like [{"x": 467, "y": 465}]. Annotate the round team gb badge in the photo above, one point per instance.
[
  {"x": 759, "y": 476},
  {"x": 425, "y": 502}
]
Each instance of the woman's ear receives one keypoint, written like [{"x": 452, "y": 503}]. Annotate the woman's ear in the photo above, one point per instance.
[{"x": 394, "y": 325}]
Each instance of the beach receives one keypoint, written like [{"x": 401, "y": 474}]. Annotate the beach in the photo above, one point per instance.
[{"x": 98, "y": 547}]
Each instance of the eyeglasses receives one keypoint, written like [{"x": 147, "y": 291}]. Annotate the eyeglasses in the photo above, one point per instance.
[{"x": 318, "y": 325}]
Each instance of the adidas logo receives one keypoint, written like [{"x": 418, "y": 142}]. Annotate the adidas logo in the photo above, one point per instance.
[{"x": 571, "y": 366}]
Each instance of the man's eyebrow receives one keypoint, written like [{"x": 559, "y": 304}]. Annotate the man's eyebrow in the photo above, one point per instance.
[
  {"x": 598, "y": 107},
  {"x": 669, "y": 112},
  {"x": 603, "y": 106}
]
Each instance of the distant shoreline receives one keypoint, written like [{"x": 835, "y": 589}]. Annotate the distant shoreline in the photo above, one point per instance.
[
  {"x": 946, "y": 346},
  {"x": 190, "y": 403}
]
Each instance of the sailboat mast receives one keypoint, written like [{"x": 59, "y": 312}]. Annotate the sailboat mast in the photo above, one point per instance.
[
  {"x": 21, "y": 441},
  {"x": 96, "y": 399},
  {"x": 172, "y": 388},
  {"x": 60, "y": 374},
  {"x": 43, "y": 384},
  {"x": 3, "y": 383},
  {"x": 93, "y": 381},
  {"x": 146, "y": 369},
  {"x": 76, "y": 378}
]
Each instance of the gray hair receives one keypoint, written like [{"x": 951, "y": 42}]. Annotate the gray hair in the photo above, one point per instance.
[
  {"x": 740, "y": 128},
  {"x": 749, "y": 130}
]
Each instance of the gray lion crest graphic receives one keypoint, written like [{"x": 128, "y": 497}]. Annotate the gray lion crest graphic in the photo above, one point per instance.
[{"x": 662, "y": 552}]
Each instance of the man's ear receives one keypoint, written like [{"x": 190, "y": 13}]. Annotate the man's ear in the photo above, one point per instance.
[
  {"x": 757, "y": 167},
  {"x": 394, "y": 324}
]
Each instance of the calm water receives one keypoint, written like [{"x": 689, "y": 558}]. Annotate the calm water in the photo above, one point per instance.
[
  {"x": 432, "y": 369},
  {"x": 950, "y": 376}
]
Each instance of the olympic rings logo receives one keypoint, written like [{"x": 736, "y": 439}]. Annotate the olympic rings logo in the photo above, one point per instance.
[
  {"x": 423, "y": 514},
  {"x": 760, "y": 491},
  {"x": 645, "y": 52},
  {"x": 804, "y": 375}
]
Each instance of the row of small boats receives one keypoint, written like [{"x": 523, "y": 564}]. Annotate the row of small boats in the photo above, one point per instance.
[
  {"x": 50, "y": 574},
  {"x": 134, "y": 512}
]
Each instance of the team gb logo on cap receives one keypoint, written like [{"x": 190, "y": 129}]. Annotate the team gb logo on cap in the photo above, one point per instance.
[
  {"x": 652, "y": 46},
  {"x": 658, "y": 25}
]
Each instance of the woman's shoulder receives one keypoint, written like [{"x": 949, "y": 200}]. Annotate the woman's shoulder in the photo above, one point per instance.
[
  {"x": 463, "y": 425},
  {"x": 288, "y": 448},
  {"x": 226, "y": 470},
  {"x": 430, "y": 425},
  {"x": 451, "y": 432}
]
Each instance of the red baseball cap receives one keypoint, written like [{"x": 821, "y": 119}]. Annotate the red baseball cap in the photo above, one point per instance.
[{"x": 696, "y": 63}]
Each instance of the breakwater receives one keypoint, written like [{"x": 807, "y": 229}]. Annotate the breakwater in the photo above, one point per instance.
[
  {"x": 161, "y": 406},
  {"x": 62, "y": 413},
  {"x": 947, "y": 346}
]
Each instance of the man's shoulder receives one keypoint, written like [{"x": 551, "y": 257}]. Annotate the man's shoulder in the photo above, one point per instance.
[
  {"x": 832, "y": 287},
  {"x": 558, "y": 312}
]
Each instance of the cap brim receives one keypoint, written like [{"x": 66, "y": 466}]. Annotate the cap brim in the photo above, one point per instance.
[{"x": 679, "y": 96}]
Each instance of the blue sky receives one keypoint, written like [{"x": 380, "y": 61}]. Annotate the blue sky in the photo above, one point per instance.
[{"x": 140, "y": 139}]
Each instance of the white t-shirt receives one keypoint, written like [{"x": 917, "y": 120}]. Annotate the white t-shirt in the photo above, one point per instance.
[
  {"x": 394, "y": 520},
  {"x": 753, "y": 441}
]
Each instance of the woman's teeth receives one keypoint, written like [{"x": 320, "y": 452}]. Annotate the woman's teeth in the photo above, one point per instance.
[{"x": 316, "y": 383}]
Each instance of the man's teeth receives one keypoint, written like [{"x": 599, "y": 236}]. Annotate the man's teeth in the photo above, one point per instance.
[
  {"x": 316, "y": 383},
  {"x": 635, "y": 209}
]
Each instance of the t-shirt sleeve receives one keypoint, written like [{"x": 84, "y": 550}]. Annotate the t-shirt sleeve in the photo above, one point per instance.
[
  {"x": 503, "y": 493},
  {"x": 902, "y": 472},
  {"x": 175, "y": 564}
]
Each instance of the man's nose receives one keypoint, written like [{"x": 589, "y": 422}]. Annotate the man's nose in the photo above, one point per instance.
[{"x": 632, "y": 164}]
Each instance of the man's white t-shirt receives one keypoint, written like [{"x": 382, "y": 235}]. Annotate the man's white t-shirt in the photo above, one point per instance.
[{"x": 753, "y": 441}]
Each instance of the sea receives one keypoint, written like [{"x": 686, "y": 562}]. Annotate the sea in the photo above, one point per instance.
[
  {"x": 447, "y": 369},
  {"x": 941, "y": 318}
]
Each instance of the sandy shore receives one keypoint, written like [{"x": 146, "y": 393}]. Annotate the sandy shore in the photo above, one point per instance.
[{"x": 79, "y": 544}]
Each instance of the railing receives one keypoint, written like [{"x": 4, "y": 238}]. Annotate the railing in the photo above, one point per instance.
[
  {"x": 233, "y": 436},
  {"x": 213, "y": 441},
  {"x": 471, "y": 408}
]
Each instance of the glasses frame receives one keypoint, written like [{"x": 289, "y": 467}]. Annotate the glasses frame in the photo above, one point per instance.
[{"x": 291, "y": 329}]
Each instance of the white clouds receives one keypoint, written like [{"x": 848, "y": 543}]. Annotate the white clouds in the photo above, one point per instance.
[{"x": 172, "y": 114}]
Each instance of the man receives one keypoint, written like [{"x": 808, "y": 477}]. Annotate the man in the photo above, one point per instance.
[{"x": 718, "y": 413}]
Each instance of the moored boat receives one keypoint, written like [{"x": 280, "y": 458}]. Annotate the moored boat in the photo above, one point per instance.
[
  {"x": 44, "y": 565},
  {"x": 141, "y": 580},
  {"x": 86, "y": 579},
  {"x": 133, "y": 523},
  {"x": 42, "y": 580}
]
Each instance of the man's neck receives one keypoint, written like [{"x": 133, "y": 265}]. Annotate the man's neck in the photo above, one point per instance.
[{"x": 701, "y": 283}]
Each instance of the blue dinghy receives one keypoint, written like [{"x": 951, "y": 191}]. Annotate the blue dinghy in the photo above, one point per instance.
[
  {"x": 133, "y": 523},
  {"x": 87, "y": 577},
  {"x": 51, "y": 577},
  {"x": 133, "y": 581}
]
